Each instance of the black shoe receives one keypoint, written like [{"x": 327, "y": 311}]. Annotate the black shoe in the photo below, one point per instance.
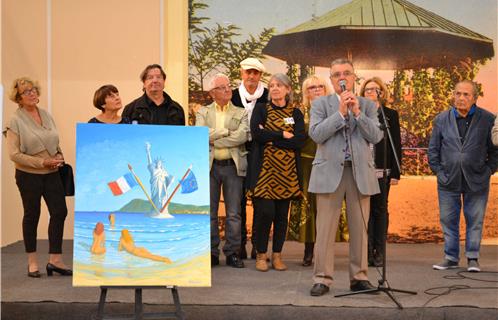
[
  {"x": 370, "y": 259},
  {"x": 253, "y": 253},
  {"x": 234, "y": 261},
  {"x": 378, "y": 260},
  {"x": 215, "y": 261},
  {"x": 319, "y": 289},
  {"x": 308, "y": 259},
  {"x": 51, "y": 268},
  {"x": 362, "y": 285},
  {"x": 243, "y": 251},
  {"x": 34, "y": 274},
  {"x": 308, "y": 254}
]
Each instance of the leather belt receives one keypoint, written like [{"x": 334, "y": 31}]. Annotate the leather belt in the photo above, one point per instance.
[{"x": 223, "y": 163}]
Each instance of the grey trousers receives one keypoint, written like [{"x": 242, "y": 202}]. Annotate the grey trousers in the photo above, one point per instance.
[{"x": 225, "y": 178}]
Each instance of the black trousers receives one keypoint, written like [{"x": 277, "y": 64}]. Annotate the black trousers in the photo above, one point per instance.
[
  {"x": 379, "y": 219},
  {"x": 267, "y": 212},
  {"x": 32, "y": 188}
]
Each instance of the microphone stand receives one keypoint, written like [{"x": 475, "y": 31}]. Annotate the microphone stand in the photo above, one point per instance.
[{"x": 383, "y": 284}]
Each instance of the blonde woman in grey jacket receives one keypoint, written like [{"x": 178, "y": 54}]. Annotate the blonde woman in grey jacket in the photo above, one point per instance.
[{"x": 33, "y": 145}]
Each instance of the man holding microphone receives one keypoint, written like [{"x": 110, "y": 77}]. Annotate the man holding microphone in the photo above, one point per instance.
[{"x": 346, "y": 123}]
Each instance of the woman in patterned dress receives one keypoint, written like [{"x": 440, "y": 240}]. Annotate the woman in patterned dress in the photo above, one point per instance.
[{"x": 277, "y": 129}]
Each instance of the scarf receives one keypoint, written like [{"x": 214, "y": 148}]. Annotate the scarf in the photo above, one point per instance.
[{"x": 249, "y": 100}]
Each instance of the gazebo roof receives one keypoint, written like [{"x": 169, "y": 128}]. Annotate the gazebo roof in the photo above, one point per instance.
[
  {"x": 380, "y": 34},
  {"x": 382, "y": 14}
]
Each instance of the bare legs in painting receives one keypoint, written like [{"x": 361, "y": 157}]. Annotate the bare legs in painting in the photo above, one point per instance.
[{"x": 127, "y": 243}]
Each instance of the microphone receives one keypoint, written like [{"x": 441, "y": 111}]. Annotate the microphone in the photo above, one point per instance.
[{"x": 342, "y": 84}]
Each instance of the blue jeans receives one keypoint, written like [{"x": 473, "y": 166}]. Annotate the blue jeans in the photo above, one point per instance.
[
  {"x": 474, "y": 207},
  {"x": 226, "y": 178}
]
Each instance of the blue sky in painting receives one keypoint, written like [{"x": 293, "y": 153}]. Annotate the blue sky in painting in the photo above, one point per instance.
[{"x": 103, "y": 153}]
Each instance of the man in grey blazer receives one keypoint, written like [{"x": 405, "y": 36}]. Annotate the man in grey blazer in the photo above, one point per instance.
[
  {"x": 463, "y": 157},
  {"x": 344, "y": 126},
  {"x": 227, "y": 158}
]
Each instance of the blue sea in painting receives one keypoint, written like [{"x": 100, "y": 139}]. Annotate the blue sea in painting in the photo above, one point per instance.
[{"x": 179, "y": 239}]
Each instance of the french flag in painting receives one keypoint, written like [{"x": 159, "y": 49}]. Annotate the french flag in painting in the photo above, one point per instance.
[{"x": 122, "y": 185}]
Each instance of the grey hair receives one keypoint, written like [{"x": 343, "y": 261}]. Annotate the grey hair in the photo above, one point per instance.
[
  {"x": 285, "y": 80},
  {"x": 475, "y": 88},
  {"x": 211, "y": 82},
  {"x": 342, "y": 61}
]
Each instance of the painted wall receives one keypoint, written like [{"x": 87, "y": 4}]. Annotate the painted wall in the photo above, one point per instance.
[{"x": 72, "y": 48}]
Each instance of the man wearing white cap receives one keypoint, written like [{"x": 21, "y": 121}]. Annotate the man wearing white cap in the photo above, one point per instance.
[
  {"x": 250, "y": 92},
  {"x": 251, "y": 89}
]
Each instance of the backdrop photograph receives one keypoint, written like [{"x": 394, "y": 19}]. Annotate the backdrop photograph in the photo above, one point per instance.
[{"x": 419, "y": 48}]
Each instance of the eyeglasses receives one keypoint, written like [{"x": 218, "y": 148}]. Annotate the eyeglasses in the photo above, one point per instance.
[
  {"x": 372, "y": 90},
  {"x": 337, "y": 75},
  {"x": 27, "y": 92},
  {"x": 320, "y": 86},
  {"x": 222, "y": 88}
]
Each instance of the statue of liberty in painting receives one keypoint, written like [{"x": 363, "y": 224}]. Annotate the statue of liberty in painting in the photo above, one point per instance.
[{"x": 160, "y": 180}]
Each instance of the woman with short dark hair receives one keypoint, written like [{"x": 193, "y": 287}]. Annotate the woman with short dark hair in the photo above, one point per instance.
[{"x": 108, "y": 101}]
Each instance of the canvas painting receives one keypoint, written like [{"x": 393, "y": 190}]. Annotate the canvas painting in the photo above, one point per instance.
[{"x": 141, "y": 206}]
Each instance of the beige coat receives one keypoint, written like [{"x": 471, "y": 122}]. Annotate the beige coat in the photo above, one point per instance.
[{"x": 233, "y": 136}]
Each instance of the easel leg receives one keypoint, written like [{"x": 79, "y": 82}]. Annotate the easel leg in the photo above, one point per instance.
[
  {"x": 100, "y": 311},
  {"x": 138, "y": 304},
  {"x": 139, "y": 308},
  {"x": 178, "y": 307}
]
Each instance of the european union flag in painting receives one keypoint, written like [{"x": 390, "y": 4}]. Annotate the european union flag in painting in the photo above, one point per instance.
[{"x": 189, "y": 184}]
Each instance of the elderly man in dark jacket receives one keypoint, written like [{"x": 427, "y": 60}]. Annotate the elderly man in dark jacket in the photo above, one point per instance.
[{"x": 463, "y": 157}]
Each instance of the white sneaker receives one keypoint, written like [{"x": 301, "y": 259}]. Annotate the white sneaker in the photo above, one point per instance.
[{"x": 473, "y": 265}]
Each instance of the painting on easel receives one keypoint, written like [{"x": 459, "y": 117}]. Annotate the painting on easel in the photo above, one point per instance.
[{"x": 141, "y": 206}]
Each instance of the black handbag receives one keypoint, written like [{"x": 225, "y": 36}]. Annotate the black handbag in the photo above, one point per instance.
[{"x": 66, "y": 173}]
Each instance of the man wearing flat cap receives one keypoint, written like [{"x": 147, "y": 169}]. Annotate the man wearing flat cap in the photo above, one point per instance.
[{"x": 250, "y": 92}]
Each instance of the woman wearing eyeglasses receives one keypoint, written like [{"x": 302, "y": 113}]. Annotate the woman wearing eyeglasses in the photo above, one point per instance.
[
  {"x": 33, "y": 143},
  {"x": 274, "y": 176},
  {"x": 303, "y": 211},
  {"x": 108, "y": 101},
  {"x": 375, "y": 90}
]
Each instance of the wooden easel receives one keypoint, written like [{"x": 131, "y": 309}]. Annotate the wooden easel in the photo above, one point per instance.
[{"x": 139, "y": 312}]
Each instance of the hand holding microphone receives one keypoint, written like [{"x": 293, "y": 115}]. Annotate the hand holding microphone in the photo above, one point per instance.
[{"x": 348, "y": 101}]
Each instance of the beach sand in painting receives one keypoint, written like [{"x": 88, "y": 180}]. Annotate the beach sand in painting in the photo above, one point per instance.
[{"x": 183, "y": 273}]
